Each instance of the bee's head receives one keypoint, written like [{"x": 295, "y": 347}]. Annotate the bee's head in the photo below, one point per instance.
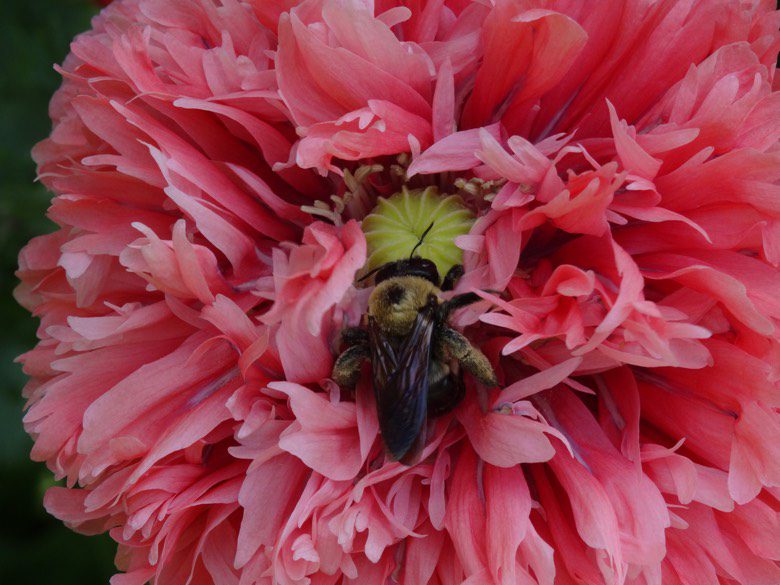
[
  {"x": 414, "y": 266},
  {"x": 396, "y": 301}
]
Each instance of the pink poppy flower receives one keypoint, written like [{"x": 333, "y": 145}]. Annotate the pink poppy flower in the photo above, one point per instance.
[{"x": 211, "y": 164}]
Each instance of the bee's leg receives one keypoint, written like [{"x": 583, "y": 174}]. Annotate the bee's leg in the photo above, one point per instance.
[
  {"x": 346, "y": 370},
  {"x": 455, "y": 303},
  {"x": 452, "y": 277},
  {"x": 473, "y": 360},
  {"x": 354, "y": 336}
]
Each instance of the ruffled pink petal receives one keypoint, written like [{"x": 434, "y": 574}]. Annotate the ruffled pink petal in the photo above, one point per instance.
[
  {"x": 325, "y": 436},
  {"x": 494, "y": 435}
]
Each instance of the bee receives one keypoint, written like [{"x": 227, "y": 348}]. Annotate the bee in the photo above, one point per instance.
[{"x": 416, "y": 357}]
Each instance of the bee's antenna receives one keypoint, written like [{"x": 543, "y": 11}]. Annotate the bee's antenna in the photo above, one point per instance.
[
  {"x": 369, "y": 274},
  {"x": 422, "y": 237}
]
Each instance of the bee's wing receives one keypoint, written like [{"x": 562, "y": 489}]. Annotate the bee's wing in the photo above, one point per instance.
[
  {"x": 383, "y": 359},
  {"x": 401, "y": 384}
]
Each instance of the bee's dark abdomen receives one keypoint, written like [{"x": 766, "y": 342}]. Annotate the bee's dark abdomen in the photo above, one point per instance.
[{"x": 446, "y": 392}]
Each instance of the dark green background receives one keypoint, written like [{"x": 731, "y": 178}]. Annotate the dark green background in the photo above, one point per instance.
[{"x": 35, "y": 548}]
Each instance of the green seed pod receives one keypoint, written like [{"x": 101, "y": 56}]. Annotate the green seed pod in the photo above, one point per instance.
[{"x": 396, "y": 225}]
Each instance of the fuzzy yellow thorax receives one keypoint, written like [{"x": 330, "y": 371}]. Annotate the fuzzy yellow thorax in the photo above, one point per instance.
[{"x": 396, "y": 302}]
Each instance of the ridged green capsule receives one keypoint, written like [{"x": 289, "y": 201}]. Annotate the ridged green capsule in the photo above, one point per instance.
[{"x": 396, "y": 224}]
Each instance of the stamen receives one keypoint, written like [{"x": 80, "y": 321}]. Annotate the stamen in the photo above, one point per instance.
[
  {"x": 479, "y": 188},
  {"x": 356, "y": 202}
]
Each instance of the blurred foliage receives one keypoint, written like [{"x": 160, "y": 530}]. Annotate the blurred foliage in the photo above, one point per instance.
[{"x": 35, "y": 548}]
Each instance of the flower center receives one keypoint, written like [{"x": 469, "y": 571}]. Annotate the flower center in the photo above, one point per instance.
[
  {"x": 423, "y": 214},
  {"x": 422, "y": 221}
]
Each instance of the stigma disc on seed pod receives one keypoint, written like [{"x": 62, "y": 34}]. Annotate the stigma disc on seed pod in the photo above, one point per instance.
[{"x": 397, "y": 223}]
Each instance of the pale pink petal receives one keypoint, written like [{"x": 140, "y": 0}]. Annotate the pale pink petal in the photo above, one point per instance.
[
  {"x": 495, "y": 436},
  {"x": 456, "y": 152}
]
